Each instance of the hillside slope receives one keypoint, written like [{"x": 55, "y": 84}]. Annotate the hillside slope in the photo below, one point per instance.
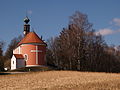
[{"x": 60, "y": 80}]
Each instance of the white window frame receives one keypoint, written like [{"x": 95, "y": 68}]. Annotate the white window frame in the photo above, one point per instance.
[{"x": 25, "y": 58}]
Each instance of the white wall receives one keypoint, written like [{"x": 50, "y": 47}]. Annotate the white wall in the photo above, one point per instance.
[
  {"x": 20, "y": 63},
  {"x": 13, "y": 65},
  {"x": 17, "y": 50}
]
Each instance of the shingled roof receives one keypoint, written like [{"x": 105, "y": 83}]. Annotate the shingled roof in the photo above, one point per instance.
[
  {"x": 31, "y": 37},
  {"x": 19, "y": 56}
]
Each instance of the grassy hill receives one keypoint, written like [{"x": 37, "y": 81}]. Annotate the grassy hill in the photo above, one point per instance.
[{"x": 60, "y": 80}]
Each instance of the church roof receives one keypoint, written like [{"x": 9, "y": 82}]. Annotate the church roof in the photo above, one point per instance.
[
  {"x": 31, "y": 37},
  {"x": 18, "y": 56}
]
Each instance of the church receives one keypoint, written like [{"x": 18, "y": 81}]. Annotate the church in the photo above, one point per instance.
[{"x": 30, "y": 51}]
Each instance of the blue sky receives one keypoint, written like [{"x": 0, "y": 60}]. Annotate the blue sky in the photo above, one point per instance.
[{"x": 48, "y": 17}]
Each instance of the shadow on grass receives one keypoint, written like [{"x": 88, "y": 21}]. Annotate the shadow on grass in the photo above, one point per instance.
[{"x": 4, "y": 73}]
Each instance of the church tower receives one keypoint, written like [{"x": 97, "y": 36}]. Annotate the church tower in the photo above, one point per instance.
[{"x": 26, "y": 26}]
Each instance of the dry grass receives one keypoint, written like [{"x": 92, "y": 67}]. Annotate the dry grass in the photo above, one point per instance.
[{"x": 60, "y": 80}]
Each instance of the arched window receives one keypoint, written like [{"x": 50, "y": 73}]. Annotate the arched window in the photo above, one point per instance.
[{"x": 25, "y": 57}]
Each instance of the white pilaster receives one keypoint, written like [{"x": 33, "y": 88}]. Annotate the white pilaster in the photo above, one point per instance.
[
  {"x": 19, "y": 49},
  {"x": 36, "y": 51},
  {"x": 36, "y": 54}
]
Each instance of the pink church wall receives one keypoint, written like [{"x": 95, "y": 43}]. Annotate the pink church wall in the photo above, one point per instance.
[
  {"x": 26, "y": 49},
  {"x": 41, "y": 55}
]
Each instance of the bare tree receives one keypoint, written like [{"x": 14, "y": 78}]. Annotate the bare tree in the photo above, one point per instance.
[
  {"x": 1, "y": 56},
  {"x": 9, "y": 51},
  {"x": 12, "y": 46},
  {"x": 78, "y": 48}
]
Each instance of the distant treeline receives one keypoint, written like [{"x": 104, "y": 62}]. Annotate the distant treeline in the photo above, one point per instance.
[{"x": 79, "y": 48}]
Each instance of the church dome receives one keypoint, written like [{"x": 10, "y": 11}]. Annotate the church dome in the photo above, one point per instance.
[{"x": 30, "y": 38}]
